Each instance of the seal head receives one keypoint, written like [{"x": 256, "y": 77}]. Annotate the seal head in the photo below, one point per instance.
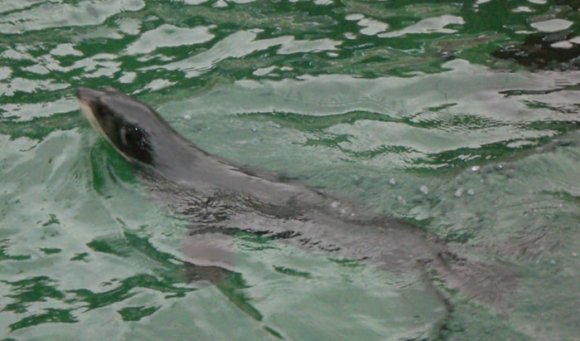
[
  {"x": 146, "y": 140},
  {"x": 129, "y": 125}
]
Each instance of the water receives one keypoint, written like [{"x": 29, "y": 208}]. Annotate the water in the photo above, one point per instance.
[{"x": 398, "y": 105}]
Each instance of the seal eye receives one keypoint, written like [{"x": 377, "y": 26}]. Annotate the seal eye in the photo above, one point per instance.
[
  {"x": 132, "y": 137},
  {"x": 134, "y": 143}
]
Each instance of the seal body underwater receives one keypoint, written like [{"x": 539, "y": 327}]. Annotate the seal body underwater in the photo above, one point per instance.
[{"x": 219, "y": 197}]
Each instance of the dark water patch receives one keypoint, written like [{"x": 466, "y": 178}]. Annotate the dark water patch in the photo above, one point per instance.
[
  {"x": 127, "y": 288},
  {"x": 30, "y": 290},
  {"x": 105, "y": 247},
  {"x": 136, "y": 313},
  {"x": 50, "y": 316},
  {"x": 51, "y": 251},
  {"x": 80, "y": 257},
  {"x": 542, "y": 51},
  {"x": 5, "y": 256}
]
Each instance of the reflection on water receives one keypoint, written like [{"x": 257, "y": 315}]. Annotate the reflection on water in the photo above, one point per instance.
[{"x": 460, "y": 117}]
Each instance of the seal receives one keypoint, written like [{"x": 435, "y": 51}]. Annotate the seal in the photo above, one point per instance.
[{"x": 219, "y": 197}]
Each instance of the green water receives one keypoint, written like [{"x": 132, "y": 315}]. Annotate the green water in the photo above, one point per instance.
[{"x": 397, "y": 104}]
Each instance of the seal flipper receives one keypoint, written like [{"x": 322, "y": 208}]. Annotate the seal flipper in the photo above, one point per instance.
[
  {"x": 209, "y": 248},
  {"x": 214, "y": 248},
  {"x": 231, "y": 284}
]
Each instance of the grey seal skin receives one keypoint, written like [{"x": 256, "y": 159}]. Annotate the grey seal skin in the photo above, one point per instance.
[{"x": 219, "y": 197}]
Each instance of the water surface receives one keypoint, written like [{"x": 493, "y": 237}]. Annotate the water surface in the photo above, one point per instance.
[{"x": 399, "y": 105}]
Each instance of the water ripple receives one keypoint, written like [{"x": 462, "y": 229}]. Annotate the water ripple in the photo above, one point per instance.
[
  {"x": 46, "y": 15},
  {"x": 400, "y": 105},
  {"x": 169, "y": 36}
]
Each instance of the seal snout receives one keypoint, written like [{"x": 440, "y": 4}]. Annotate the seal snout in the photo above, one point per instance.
[
  {"x": 88, "y": 95},
  {"x": 87, "y": 99}
]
